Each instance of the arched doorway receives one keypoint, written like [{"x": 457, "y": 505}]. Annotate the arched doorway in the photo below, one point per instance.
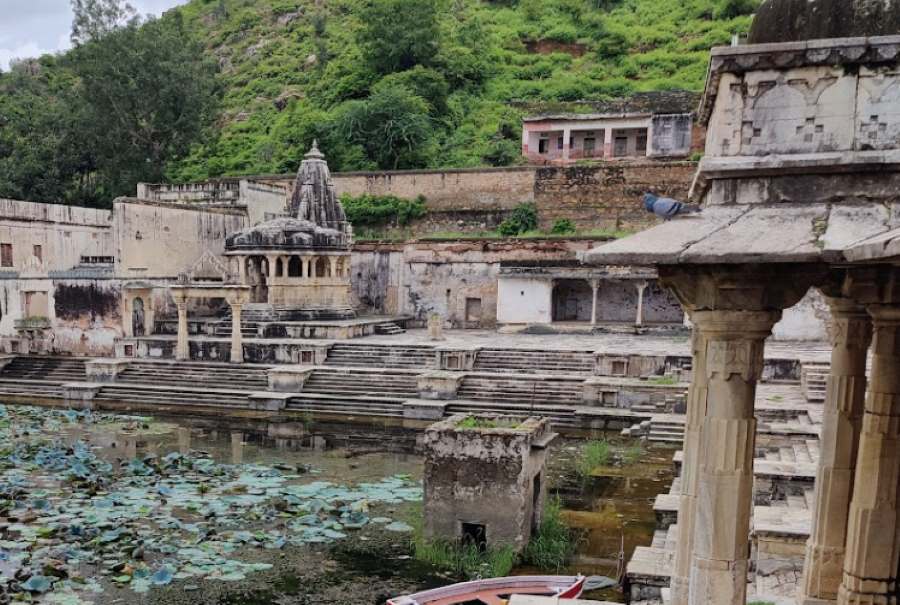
[
  {"x": 258, "y": 274},
  {"x": 572, "y": 299},
  {"x": 321, "y": 267},
  {"x": 138, "y": 317}
]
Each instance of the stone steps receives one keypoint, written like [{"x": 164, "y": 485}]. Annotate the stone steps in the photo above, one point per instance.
[
  {"x": 190, "y": 375},
  {"x": 389, "y": 328},
  {"x": 380, "y": 356},
  {"x": 32, "y": 388},
  {"x": 362, "y": 383},
  {"x": 485, "y": 387},
  {"x": 172, "y": 397},
  {"x": 814, "y": 380},
  {"x": 45, "y": 368},
  {"x": 525, "y": 361},
  {"x": 383, "y": 407}
]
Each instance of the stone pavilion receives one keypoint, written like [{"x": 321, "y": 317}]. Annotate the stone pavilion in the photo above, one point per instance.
[
  {"x": 298, "y": 264},
  {"x": 798, "y": 190}
]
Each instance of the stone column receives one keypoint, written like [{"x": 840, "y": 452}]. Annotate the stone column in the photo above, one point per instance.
[
  {"x": 687, "y": 502},
  {"x": 183, "y": 348},
  {"x": 734, "y": 362},
  {"x": 237, "y": 337},
  {"x": 639, "y": 319},
  {"x": 595, "y": 286},
  {"x": 332, "y": 263},
  {"x": 871, "y": 558},
  {"x": 608, "y": 142},
  {"x": 242, "y": 269},
  {"x": 851, "y": 333},
  {"x": 271, "y": 261},
  {"x": 567, "y": 136},
  {"x": 304, "y": 267}
]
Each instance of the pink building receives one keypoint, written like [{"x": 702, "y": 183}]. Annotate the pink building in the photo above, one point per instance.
[{"x": 650, "y": 125}]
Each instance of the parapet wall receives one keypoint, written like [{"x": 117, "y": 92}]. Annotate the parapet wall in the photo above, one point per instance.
[{"x": 600, "y": 195}]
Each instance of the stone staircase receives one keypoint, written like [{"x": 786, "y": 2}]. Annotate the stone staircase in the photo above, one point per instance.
[
  {"x": 522, "y": 389},
  {"x": 541, "y": 362},
  {"x": 666, "y": 428},
  {"x": 172, "y": 396},
  {"x": 380, "y": 356},
  {"x": 803, "y": 452},
  {"x": 396, "y": 383},
  {"x": 47, "y": 369},
  {"x": 184, "y": 374},
  {"x": 814, "y": 380},
  {"x": 389, "y": 328},
  {"x": 313, "y": 403}
]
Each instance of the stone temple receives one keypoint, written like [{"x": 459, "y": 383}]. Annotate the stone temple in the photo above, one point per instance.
[{"x": 298, "y": 264}]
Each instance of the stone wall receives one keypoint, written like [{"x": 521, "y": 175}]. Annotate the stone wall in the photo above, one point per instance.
[
  {"x": 420, "y": 278},
  {"x": 607, "y": 196},
  {"x": 161, "y": 240}
]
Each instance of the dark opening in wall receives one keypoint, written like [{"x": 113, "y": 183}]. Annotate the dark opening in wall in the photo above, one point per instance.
[{"x": 474, "y": 533}]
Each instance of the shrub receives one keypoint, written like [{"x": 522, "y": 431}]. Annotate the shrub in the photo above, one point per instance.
[
  {"x": 592, "y": 455},
  {"x": 552, "y": 545},
  {"x": 563, "y": 226},
  {"x": 523, "y": 218},
  {"x": 380, "y": 210}
]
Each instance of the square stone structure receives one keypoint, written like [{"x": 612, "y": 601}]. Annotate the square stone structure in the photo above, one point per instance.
[{"x": 485, "y": 484}]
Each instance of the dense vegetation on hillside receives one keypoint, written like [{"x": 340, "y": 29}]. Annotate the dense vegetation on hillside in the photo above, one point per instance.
[{"x": 410, "y": 83}]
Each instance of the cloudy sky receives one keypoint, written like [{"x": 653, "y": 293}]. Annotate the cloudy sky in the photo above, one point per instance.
[{"x": 29, "y": 28}]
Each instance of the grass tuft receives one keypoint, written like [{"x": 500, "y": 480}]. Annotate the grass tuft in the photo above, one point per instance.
[
  {"x": 593, "y": 454},
  {"x": 552, "y": 546}
]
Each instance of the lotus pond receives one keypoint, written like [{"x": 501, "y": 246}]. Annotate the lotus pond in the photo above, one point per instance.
[{"x": 103, "y": 508}]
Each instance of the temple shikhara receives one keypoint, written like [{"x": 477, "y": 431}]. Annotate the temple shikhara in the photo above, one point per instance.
[{"x": 702, "y": 400}]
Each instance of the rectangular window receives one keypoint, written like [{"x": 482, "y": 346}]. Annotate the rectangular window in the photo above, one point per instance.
[
  {"x": 6, "y": 257},
  {"x": 589, "y": 144},
  {"x": 620, "y": 148},
  {"x": 38, "y": 252},
  {"x": 560, "y": 142}
]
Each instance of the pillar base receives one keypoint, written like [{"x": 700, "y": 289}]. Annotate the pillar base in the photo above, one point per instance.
[{"x": 824, "y": 568}]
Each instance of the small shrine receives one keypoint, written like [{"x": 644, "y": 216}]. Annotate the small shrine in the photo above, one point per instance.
[{"x": 298, "y": 263}]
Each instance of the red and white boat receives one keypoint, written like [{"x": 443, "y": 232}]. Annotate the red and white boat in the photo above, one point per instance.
[{"x": 496, "y": 591}]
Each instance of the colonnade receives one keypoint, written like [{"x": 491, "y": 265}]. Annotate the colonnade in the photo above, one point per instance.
[
  {"x": 853, "y": 551},
  {"x": 639, "y": 316},
  {"x": 306, "y": 266}
]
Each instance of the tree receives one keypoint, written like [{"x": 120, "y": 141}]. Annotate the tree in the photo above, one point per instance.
[
  {"x": 149, "y": 94},
  {"x": 397, "y": 35},
  {"x": 95, "y": 18},
  {"x": 393, "y": 126}
]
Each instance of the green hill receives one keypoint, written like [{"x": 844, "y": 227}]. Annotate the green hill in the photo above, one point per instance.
[
  {"x": 424, "y": 83},
  {"x": 231, "y": 87}
]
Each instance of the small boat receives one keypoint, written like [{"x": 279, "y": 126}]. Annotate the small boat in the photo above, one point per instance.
[{"x": 496, "y": 591}]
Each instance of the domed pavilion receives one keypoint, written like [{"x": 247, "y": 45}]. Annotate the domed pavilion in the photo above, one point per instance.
[{"x": 298, "y": 264}]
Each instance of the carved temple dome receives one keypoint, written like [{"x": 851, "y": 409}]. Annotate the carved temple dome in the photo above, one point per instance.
[
  {"x": 798, "y": 20},
  {"x": 315, "y": 218}
]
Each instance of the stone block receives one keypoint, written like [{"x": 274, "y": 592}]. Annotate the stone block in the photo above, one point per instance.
[
  {"x": 439, "y": 385},
  {"x": 418, "y": 409},
  {"x": 80, "y": 395},
  {"x": 105, "y": 370},
  {"x": 288, "y": 379},
  {"x": 455, "y": 359},
  {"x": 485, "y": 480},
  {"x": 265, "y": 401}
]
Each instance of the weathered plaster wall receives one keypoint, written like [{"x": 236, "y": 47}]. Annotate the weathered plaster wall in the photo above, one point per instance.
[
  {"x": 607, "y": 196},
  {"x": 161, "y": 240},
  {"x": 807, "y": 320},
  {"x": 524, "y": 301},
  {"x": 64, "y": 233},
  {"x": 420, "y": 278}
]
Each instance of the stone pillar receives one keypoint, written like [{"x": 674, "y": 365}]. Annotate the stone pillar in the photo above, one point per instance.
[
  {"x": 595, "y": 286},
  {"x": 844, "y": 406},
  {"x": 332, "y": 263},
  {"x": 734, "y": 362},
  {"x": 304, "y": 267},
  {"x": 687, "y": 502},
  {"x": 608, "y": 142},
  {"x": 183, "y": 348},
  {"x": 237, "y": 337},
  {"x": 639, "y": 319},
  {"x": 567, "y": 136},
  {"x": 871, "y": 558},
  {"x": 242, "y": 269}
]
